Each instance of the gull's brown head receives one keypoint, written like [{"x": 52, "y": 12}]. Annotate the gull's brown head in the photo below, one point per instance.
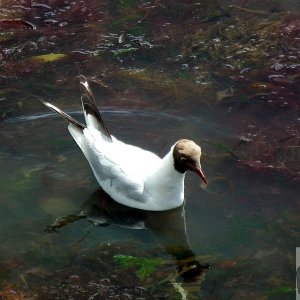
[{"x": 187, "y": 156}]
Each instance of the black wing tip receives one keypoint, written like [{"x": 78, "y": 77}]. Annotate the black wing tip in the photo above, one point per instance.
[
  {"x": 43, "y": 102},
  {"x": 82, "y": 79},
  {"x": 89, "y": 105},
  {"x": 63, "y": 114},
  {"x": 51, "y": 106},
  {"x": 84, "y": 85}
]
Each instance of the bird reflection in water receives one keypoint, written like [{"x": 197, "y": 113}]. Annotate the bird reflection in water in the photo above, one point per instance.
[{"x": 168, "y": 228}]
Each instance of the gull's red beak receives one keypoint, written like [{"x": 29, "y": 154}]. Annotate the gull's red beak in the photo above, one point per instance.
[{"x": 201, "y": 174}]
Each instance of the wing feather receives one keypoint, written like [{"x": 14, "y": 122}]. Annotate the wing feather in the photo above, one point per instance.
[
  {"x": 112, "y": 166},
  {"x": 92, "y": 115}
]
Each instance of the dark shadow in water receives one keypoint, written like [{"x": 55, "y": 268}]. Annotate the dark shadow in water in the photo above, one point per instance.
[{"x": 167, "y": 227}]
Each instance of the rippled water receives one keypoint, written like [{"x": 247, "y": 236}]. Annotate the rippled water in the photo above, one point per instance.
[{"x": 244, "y": 224}]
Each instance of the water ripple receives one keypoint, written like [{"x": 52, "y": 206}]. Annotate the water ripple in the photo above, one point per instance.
[{"x": 109, "y": 111}]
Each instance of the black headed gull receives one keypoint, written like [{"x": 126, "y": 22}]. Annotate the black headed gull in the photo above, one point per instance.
[{"x": 130, "y": 175}]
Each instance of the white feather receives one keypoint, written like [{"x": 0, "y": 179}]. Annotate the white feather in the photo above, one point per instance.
[{"x": 130, "y": 175}]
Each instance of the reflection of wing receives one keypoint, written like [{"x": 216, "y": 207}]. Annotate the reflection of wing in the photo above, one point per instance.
[
  {"x": 167, "y": 227},
  {"x": 120, "y": 169},
  {"x": 101, "y": 209}
]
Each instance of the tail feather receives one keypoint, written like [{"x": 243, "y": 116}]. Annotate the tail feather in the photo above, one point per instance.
[
  {"x": 64, "y": 115},
  {"x": 92, "y": 115}
]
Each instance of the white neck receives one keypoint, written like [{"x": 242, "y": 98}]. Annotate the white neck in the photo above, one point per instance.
[{"x": 166, "y": 184}]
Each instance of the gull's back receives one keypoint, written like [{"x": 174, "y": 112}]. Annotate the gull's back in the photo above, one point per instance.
[{"x": 120, "y": 169}]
